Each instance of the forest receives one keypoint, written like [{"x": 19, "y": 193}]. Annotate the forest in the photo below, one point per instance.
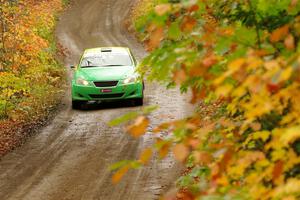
[{"x": 31, "y": 77}]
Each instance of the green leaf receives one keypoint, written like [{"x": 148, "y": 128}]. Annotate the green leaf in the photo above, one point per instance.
[
  {"x": 174, "y": 32},
  {"x": 118, "y": 165},
  {"x": 124, "y": 118},
  {"x": 132, "y": 115},
  {"x": 147, "y": 110}
]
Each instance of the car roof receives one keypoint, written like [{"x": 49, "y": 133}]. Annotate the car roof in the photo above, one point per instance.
[{"x": 99, "y": 50}]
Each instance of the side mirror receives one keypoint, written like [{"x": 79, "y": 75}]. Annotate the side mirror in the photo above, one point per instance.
[{"x": 72, "y": 67}]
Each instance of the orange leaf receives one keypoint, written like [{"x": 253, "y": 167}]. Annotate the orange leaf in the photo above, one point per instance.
[
  {"x": 162, "y": 9},
  {"x": 203, "y": 157},
  {"x": 256, "y": 126},
  {"x": 139, "y": 127},
  {"x": 210, "y": 60},
  {"x": 261, "y": 52},
  {"x": 188, "y": 24},
  {"x": 156, "y": 37},
  {"x": 179, "y": 76},
  {"x": 184, "y": 195},
  {"x": 222, "y": 180},
  {"x": 119, "y": 174},
  {"x": 197, "y": 70},
  {"x": 277, "y": 171},
  {"x": 236, "y": 64},
  {"x": 226, "y": 159},
  {"x": 226, "y": 31},
  {"x": 279, "y": 33},
  {"x": 198, "y": 95},
  {"x": 193, "y": 8},
  {"x": 289, "y": 42},
  {"x": 294, "y": 3},
  {"x": 273, "y": 87},
  {"x": 194, "y": 143},
  {"x": 181, "y": 152},
  {"x": 161, "y": 127},
  {"x": 163, "y": 149},
  {"x": 145, "y": 156}
]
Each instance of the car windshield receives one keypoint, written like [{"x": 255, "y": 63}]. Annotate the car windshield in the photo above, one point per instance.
[{"x": 106, "y": 60}]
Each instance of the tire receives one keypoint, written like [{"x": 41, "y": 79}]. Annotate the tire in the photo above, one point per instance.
[
  {"x": 76, "y": 105},
  {"x": 139, "y": 102}
]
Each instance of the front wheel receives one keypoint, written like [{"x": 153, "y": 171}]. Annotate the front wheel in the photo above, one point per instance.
[
  {"x": 139, "y": 102},
  {"x": 76, "y": 104}
]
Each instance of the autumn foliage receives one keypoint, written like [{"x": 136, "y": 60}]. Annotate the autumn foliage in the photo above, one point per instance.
[
  {"x": 240, "y": 60},
  {"x": 29, "y": 71},
  {"x": 30, "y": 76}
]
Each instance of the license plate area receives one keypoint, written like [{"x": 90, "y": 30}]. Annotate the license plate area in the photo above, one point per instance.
[{"x": 106, "y": 90}]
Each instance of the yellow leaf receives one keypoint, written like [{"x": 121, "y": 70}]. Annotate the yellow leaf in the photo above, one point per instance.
[
  {"x": 145, "y": 156},
  {"x": 236, "y": 64},
  {"x": 223, "y": 181},
  {"x": 286, "y": 74},
  {"x": 254, "y": 63},
  {"x": 292, "y": 186},
  {"x": 224, "y": 90},
  {"x": 252, "y": 178},
  {"x": 289, "y": 198},
  {"x": 232, "y": 67},
  {"x": 271, "y": 65},
  {"x": 278, "y": 154},
  {"x": 139, "y": 127},
  {"x": 239, "y": 91},
  {"x": 290, "y": 135},
  {"x": 264, "y": 135}
]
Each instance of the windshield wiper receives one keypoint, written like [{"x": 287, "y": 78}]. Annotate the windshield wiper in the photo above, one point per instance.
[
  {"x": 102, "y": 66},
  {"x": 112, "y": 65},
  {"x": 89, "y": 66}
]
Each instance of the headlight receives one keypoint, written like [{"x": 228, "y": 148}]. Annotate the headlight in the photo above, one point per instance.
[
  {"x": 81, "y": 81},
  {"x": 130, "y": 80}
]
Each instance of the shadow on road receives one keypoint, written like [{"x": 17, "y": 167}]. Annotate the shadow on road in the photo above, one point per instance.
[{"x": 92, "y": 106}]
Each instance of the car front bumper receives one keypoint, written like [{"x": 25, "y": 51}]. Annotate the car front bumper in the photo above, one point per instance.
[{"x": 93, "y": 93}]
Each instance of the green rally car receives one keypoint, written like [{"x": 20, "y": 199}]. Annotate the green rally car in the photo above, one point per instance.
[{"x": 106, "y": 74}]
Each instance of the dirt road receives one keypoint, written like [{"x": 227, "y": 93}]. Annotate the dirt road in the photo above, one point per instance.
[{"x": 69, "y": 159}]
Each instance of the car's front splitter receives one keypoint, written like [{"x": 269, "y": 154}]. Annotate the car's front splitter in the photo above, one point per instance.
[{"x": 92, "y": 93}]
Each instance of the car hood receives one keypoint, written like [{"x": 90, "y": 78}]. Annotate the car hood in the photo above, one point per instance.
[{"x": 105, "y": 73}]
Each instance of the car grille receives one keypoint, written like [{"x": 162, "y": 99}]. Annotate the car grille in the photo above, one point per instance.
[
  {"x": 104, "y": 96},
  {"x": 105, "y": 83}
]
